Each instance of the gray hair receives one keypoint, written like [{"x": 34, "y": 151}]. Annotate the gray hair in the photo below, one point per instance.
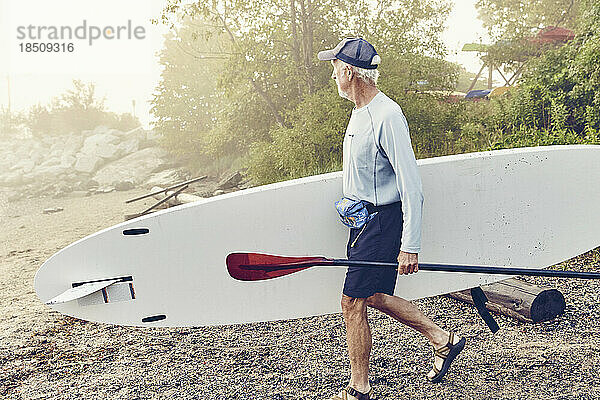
[{"x": 369, "y": 76}]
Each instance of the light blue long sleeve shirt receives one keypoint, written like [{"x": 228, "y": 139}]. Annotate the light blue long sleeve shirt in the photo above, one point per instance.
[{"x": 379, "y": 164}]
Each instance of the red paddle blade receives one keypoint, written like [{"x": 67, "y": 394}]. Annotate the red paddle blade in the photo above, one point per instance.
[{"x": 257, "y": 267}]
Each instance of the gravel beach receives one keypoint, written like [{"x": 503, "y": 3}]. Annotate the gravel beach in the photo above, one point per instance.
[{"x": 47, "y": 355}]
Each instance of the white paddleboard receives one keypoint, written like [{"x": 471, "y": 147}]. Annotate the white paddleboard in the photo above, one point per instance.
[{"x": 528, "y": 207}]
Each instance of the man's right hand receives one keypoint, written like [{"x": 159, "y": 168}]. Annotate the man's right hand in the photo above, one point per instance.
[{"x": 407, "y": 263}]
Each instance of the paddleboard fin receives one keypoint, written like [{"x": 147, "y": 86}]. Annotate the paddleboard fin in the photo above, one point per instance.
[
  {"x": 98, "y": 291},
  {"x": 479, "y": 300}
]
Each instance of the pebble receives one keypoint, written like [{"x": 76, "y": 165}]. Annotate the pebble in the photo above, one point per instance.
[{"x": 53, "y": 210}]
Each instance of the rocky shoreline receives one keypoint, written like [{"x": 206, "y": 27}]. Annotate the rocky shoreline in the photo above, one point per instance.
[{"x": 78, "y": 165}]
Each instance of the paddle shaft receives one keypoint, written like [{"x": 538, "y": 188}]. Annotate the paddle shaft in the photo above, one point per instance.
[{"x": 476, "y": 269}]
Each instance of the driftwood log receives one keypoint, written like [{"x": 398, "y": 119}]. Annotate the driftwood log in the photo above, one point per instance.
[
  {"x": 177, "y": 199},
  {"x": 181, "y": 198},
  {"x": 172, "y": 187},
  {"x": 520, "y": 300}
]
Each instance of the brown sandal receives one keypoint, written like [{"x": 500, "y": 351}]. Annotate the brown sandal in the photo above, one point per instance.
[
  {"x": 448, "y": 353},
  {"x": 353, "y": 392}
]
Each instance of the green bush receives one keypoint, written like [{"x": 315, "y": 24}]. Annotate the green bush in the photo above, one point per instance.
[
  {"x": 313, "y": 144},
  {"x": 560, "y": 91},
  {"x": 530, "y": 137}
]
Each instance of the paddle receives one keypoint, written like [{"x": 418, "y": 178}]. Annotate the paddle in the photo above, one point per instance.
[{"x": 257, "y": 266}]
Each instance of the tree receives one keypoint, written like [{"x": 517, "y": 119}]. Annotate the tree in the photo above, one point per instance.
[
  {"x": 81, "y": 97},
  {"x": 510, "y": 19},
  {"x": 9, "y": 121},
  {"x": 186, "y": 100},
  {"x": 268, "y": 67},
  {"x": 75, "y": 110}
]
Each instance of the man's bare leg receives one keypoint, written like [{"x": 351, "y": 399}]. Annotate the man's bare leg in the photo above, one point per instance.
[
  {"x": 358, "y": 336},
  {"x": 409, "y": 314}
]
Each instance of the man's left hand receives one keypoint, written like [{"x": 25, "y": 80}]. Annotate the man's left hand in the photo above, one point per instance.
[{"x": 408, "y": 263}]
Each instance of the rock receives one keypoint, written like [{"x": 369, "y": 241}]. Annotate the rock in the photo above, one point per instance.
[
  {"x": 64, "y": 187},
  {"x": 245, "y": 185},
  {"x": 47, "y": 141},
  {"x": 86, "y": 163},
  {"x": 36, "y": 155},
  {"x": 137, "y": 129},
  {"x": 53, "y": 210},
  {"x": 79, "y": 193},
  {"x": 50, "y": 172},
  {"x": 80, "y": 185},
  {"x": 100, "y": 129},
  {"x": 123, "y": 186},
  {"x": 230, "y": 181},
  {"x": 56, "y": 153},
  {"x": 14, "y": 178},
  {"x": 92, "y": 143},
  {"x": 72, "y": 144},
  {"x": 108, "y": 151},
  {"x": 53, "y": 160},
  {"x": 218, "y": 192},
  {"x": 67, "y": 160},
  {"x": 129, "y": 146},
  {"x": 25, "y": 166},
  {"x": 57, "y": 148},
  {"x": 168, "y": 177},
  {"x": 142, "y": 136},
  {"x": 135, "y": 168},
  {"x": 41, "y": 190},
  {"x": 91, "y": 184},
  {"x": 56, "y": 165},
  {"x": 119, "y": 133},
  {"x": 203, "y": 193},
  {"x": 105, "y": 189}
]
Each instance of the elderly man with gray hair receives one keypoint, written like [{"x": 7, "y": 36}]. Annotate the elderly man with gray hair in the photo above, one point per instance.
[{"x": 381, "y": 184}]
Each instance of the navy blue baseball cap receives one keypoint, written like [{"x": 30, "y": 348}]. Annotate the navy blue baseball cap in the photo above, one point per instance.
[{"x": 353, "y": 51}]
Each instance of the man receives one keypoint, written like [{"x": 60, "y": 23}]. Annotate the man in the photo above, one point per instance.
[{"x": 380, "y": 169}]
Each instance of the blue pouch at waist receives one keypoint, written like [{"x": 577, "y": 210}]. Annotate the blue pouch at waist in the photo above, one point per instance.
[{"x": 353, "y": 213}]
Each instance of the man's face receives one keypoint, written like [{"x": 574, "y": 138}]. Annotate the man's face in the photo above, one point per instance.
[{"x": 340, "y": 76}]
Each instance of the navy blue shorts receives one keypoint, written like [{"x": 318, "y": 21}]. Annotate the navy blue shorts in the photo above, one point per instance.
[{"x": 378, "y": 240}]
